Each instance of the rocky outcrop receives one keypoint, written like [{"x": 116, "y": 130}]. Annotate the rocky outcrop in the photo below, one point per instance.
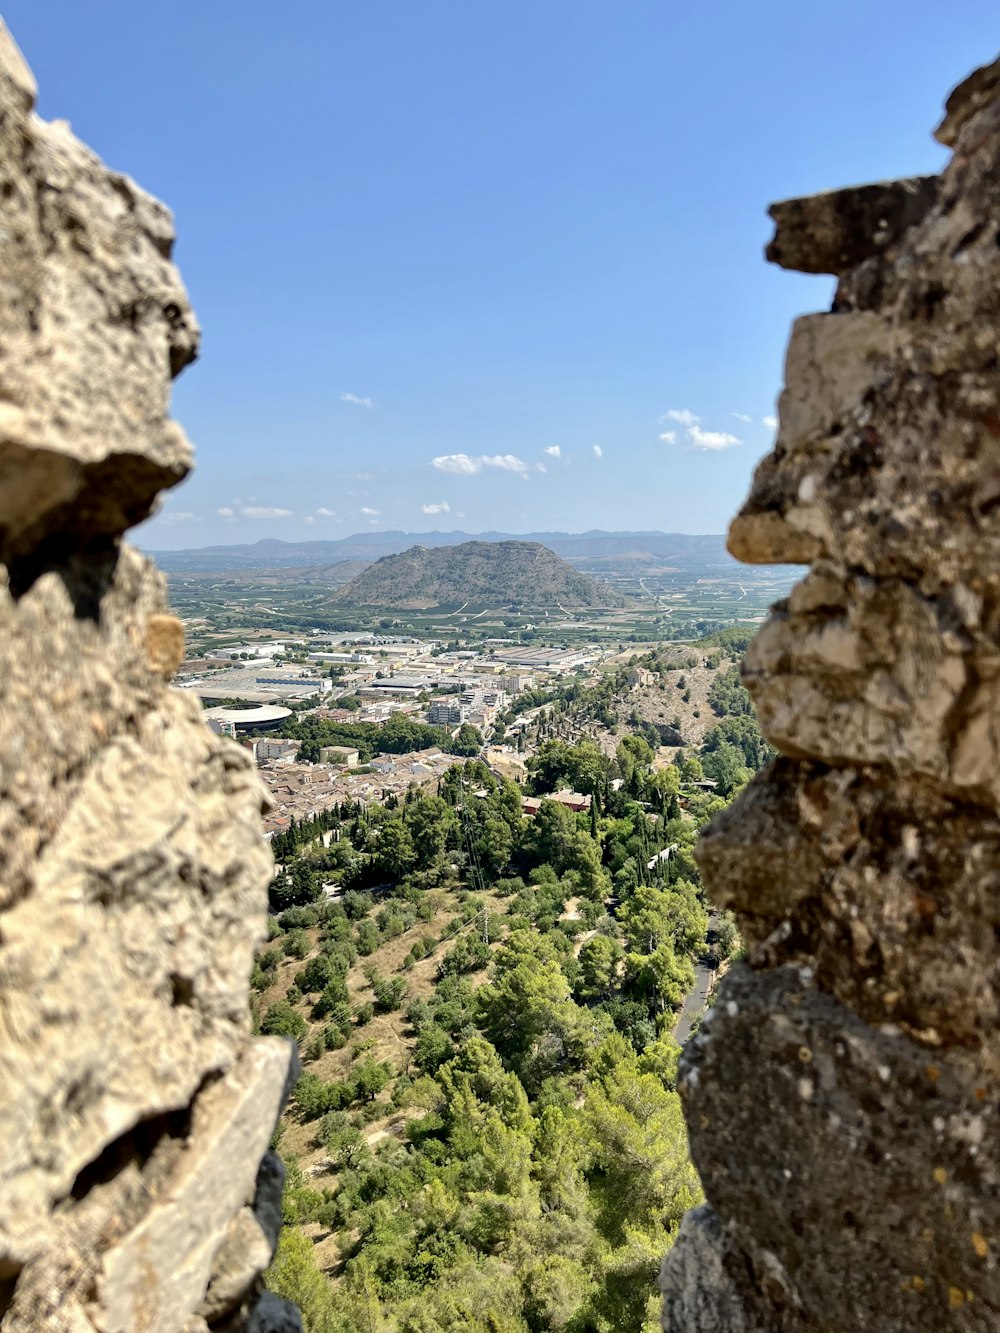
[
  {"x": 841, "y": 1096},
  {"x": 135, "y": 1108}
]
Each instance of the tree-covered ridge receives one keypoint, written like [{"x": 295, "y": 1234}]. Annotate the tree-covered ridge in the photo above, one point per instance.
[
  {"x": 487, "y": 1134},
  {"x": 491, "y": 573}
]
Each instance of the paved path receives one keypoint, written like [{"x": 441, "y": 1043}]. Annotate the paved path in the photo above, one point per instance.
[{"x": 696, "y": 1000}]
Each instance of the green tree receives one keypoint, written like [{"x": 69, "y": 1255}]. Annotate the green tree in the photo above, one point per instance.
[
  {"x": 370, "y": 1078},
  {"x": 727, "y": 766},
  {"x": 396, "y": 852},
  {"x": 599, "y": 961},
  {"x": 431, "y": 821},
  {"x": 634, "y": 752},
  {"x": 638, "y": 1143},
  {"x": 523, "y": 1001},
  {"x": 281, "y": 1020},
  {"x": 742, "y": 731},
  {"x": 583, "y": 767},
  {"x": 468, "y": 740}
]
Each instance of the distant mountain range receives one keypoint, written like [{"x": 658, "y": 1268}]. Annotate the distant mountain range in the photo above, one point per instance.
[
  {"x": 481, "y": 572},
  {"x": 683, "y": 550}
]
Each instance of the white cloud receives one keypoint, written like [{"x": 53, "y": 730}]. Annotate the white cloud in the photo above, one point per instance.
[
  {"x": 770, "y": 422},
  {"x": 442, "y": 507},
  {"x": 540, "y": 467},
  {"x": 462, "y": 465},
  {"x": 553, "y": 451},
  {"x": 309, "y": 520},
  {"x": 180, "y": 516},
  {"x": 711, "y": 439},
  {"x": 681, "y": 415},
  {"x": 369, "y": 513},
  {"x": 669, "y": 437},
  {"x": 358, "y": 402},
  {"x": 742, "y": 416},
  {"x": 506, "y": 462},
  {"x": 468, "y": 465},
  {"x": 598, "y": 451},
  {"x": 264, "y": 511},
  {"x": 226, "y": 513},
  {"x": 326, "y": 513}
]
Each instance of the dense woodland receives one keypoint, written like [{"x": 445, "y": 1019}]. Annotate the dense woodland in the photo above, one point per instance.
[{"x": 487, "y": 1135}]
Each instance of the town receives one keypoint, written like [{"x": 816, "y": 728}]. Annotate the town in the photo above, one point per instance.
[{"x": 252, "y": 689}]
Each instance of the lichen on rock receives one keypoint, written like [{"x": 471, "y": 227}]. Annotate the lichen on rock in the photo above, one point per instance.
[
  {"x": 135, "y": 1107},
  {"x": 841, "y": 1095}
]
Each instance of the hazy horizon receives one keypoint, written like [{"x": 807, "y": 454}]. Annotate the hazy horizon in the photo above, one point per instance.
[{"x": 373, "y": 533}]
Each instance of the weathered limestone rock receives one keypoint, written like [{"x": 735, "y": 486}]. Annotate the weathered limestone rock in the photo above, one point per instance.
[
  {"x": 833, "y": 232},
  {"x": 93, "y": 322},
  {"x": 135, "y": 1108},
  {"x": 842, "y": 1095}
]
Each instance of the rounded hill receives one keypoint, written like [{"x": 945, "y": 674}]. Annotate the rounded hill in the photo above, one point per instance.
[{"x": 490, "y": 573}]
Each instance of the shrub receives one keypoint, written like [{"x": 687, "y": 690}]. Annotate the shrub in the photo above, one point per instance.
[
  {"x": 297, "y": 944},
  {"x": 389, "y": 994},
  {"x": 368, "y": 938},
  {"x": 356, "y": 905},
  {"x": 298, "y": 918},
  {"x": 281, "y": 1020}
]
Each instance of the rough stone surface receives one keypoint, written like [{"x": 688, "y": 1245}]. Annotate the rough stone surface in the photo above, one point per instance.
[
  {"x": 93, "y": 323},
  {"x": 842, "y": 1095},
  {"x": 697, "y": 1289},
  {"x": 273, "y": 1315},
  {"x": 267, "y": 1196},
  {"x": 245, "y": 1252},
  {"x": 830, "y": 233},
  {"x": 135, "y": 1107}
]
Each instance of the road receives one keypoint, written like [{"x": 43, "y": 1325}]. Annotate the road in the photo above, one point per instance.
[{"x": 696, "y": 999}]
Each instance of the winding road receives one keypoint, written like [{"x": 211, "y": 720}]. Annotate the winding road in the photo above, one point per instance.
[{"x": 696, "y": 1000}]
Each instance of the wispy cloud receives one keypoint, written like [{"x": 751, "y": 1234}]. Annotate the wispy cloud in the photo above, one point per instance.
[
  {"x": 742, "y": 416},
  {"x": 598, "y": 451},
  {"x": 669, "y": 437},
  {"x": 263, "y": 511},
  {"x": 323, "y": 512},
  {"x": 711, "y": 439},
  {"x": 358, "y": 402},
  {"x": 470, "y": 465},
  {"x": 179, "y": 516},
  {"x": 553, "y": 451},
  {"x": 226, "y": 513},
  {"x": 770, "y": 422},
  {"x": 540, "y": 467},
  {"x": 442, "y": 507},
  {"x": 682, "y": 415},
  {"x": 370, "y": 513},
  {"x": 309, "y": 520}
]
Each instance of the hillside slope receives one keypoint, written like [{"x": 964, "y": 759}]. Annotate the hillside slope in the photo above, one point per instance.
[{"x": 491, "y": 573}]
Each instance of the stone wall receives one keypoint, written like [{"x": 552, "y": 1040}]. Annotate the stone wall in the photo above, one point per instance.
[
  {"x": 842, "y": 1095},
  {"x": 136, "y": 1193}
]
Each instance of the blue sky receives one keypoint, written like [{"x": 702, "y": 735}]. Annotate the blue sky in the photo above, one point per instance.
[{"x": 505, "y": 237}]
